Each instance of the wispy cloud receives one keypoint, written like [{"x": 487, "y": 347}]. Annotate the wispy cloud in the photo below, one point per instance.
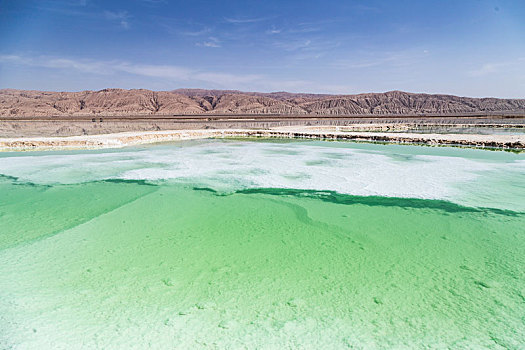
[
  {"x": 183, "y": 29},
  {"x": 73, "y": 10},
  {"x": 174, "y": 74},
  {"x": 365, "y": 8},
  {"x": 305, "y": 29},
  {"x": 156, "y": 71},
  {"x": 273, "y": 30},
  {"x": 312, "y": 26},
  {"x": 293, "y": 45},
  {"x": 88, "y": 66},
  {"x": 375, "y": 59},
  {"x": 155, "y": 2},
  {"x": 170, "y": 72},
  {"x": 304, "y": 40},
  {"x": 203, "y": 31},
  {"x": 511, "y": 66},
  {"x": 300, "y": 49},
  {"x": 488, "y": 68},
  {"x": 245, "y": 20},
  {"x": 211, "y": 42},
  {"x": 122, "y": 17}
]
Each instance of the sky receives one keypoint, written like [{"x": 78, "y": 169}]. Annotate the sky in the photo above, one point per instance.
[{"x": 468, "y": 48}]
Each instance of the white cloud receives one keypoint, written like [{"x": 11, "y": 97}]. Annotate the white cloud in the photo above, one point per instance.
[
  {"x": 175, "y": 74},
  {"x": 488, "y": 68},
  {"x": 512, "y": 67},
  {"x": 156, "y": 71},
  {"x": 155, "y": 2},
  {"x": 122, "y": 17},
  {"x": 245, "y": 20},
  {"x": 211, "y": 42},
  {"x": 375, "y": 59},
  {"x": 273, "y": 30},
  {"x": 293, "y": 45},
  {"x": 196, "y": 33},
  {"x": 87, "y": 66}
]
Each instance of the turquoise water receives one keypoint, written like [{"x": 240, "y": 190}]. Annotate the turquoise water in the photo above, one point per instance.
[{"x": 281, "y": 244}]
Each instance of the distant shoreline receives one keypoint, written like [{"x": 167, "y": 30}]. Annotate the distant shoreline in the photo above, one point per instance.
[{"x": 117, "y": 140}]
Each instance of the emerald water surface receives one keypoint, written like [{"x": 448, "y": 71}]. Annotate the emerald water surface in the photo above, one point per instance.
[{"x": 244, "y": 244}]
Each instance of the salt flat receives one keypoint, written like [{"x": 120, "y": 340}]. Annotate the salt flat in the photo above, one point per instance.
[{"x": 143, "y": 137}]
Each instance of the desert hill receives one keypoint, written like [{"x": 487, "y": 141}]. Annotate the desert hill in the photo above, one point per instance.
[{"x": 119, "y": 102}]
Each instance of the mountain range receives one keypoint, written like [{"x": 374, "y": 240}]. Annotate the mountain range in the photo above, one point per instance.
[{"x": 141, "y": 102}]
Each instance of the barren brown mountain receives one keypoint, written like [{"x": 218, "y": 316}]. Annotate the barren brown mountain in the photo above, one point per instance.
[{"x": 118, "y": 102}]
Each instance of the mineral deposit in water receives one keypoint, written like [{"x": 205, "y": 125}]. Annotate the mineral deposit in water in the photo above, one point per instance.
[{"x": 283, "y": 244}]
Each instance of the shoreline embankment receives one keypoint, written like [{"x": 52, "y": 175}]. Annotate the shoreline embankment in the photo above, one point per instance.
[{"x": 117, "y": 140}]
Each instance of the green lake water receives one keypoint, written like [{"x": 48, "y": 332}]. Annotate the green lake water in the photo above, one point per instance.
[{"x": 267, "y": 244}]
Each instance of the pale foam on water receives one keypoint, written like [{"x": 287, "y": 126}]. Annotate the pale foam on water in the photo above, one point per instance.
[{"x": 392, "y": 171}]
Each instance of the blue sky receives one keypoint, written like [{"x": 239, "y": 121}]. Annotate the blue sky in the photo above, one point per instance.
[{"x": 467, "y": 47}]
